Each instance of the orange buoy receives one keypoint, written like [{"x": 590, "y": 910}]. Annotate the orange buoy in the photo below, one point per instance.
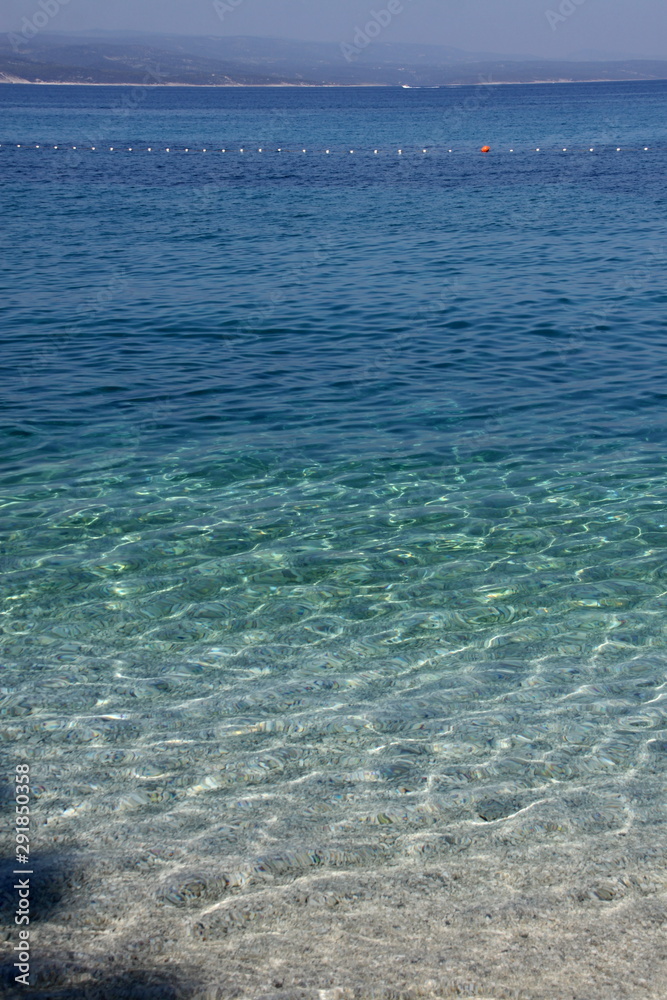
[{"x": 486, "y": 149}]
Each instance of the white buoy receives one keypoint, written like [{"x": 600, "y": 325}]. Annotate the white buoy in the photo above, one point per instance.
[
  {"x": 326, "y": 150},
  {"x": 400, "y": 152},
  {"x": 618, "y": 150},
  {"x": 166, "y": 150},
  {"x": 375, "y": 151},
  {"x": 592, "y": 149},
  {"x": 646, "y": 149},
  {"x": 565, "y": 149}
]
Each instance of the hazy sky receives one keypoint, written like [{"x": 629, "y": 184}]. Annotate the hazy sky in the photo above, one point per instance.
[{"x": 513, "y": 26}]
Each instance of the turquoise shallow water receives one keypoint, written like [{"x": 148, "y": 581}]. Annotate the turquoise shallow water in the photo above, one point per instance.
[{"x": 333, "y": 487}]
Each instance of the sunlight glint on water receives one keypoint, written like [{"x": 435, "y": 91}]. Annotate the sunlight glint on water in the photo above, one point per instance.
[{"x": 333, "y": 499}]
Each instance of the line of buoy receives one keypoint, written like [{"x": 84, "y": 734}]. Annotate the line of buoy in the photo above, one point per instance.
[{"x": 262, "y": 149}]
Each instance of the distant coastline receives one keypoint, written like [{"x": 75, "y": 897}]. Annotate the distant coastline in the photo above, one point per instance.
[
  {"x": 157, "y": 60},
  {"x": 325, "y": 86}
]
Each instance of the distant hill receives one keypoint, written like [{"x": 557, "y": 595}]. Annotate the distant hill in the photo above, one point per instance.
[{"x": 138, "y": 59}]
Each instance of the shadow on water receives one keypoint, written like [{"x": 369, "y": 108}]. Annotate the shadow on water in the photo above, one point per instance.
[
  {"x": 60, "y": 978},
  {"x": 49, "y": 878},
  {"x": 53, "y": 876},
  {"x": 48, "y": 872},
  {"x": 79, "y": 984}
]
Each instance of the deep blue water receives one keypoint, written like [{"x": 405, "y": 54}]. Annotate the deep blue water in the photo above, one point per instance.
[{"x": 333, "y": 480}]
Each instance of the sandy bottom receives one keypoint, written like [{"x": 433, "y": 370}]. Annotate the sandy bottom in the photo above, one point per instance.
[{"x": 551, "y": 922}]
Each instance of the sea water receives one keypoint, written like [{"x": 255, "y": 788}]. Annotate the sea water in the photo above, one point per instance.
[{"x": 334, "y": 538}]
